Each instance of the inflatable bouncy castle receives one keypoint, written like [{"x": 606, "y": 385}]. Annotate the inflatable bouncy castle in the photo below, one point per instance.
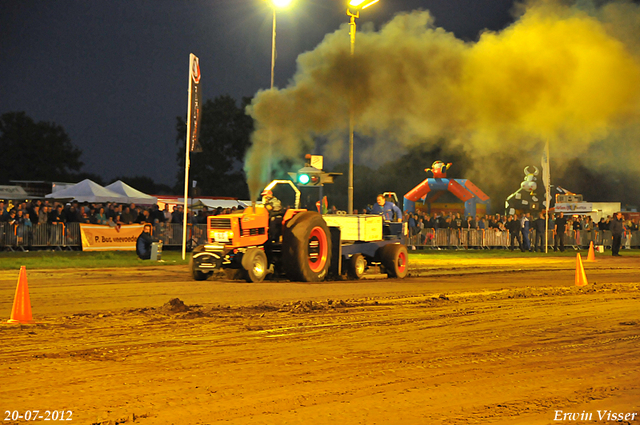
[{"x": 433, "y": 187}]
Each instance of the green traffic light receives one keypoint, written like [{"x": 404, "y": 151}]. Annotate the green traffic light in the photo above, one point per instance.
[{"x": 303, "y": 178}]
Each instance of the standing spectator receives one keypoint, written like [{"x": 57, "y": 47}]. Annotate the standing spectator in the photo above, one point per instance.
[
  {"x": 57, "y": 219},
  {"x": 601, "y": 225},
  {"x": 428, "y": 222},
  {"x": 577, "y": 227},
  {"x": 34, "y": 215},
  {"x": 176, "y": 215},
  {"x": 617, "y": 229},
  {"x": 167, "y": 214},
  {"x": 127, "y": 217},
  {"x": 143, "y": 217},
  {"x": 10, "y": 219},
  {"x": 482, "y": 223},
  {"x": 513, "y": 226},
  {"x": 539, "y": 225},
  {"x": 560, "y": 229},
  {"x": 110, "y": 211},
  {"x": 158, "y": 215},
  {"x": 439, "y": 221},
  {"x": 22, "y": 226},
  {"x": 471, "y": 223},
  {"x": 84, "y": 217},
  {"x": 4, "y": 214},
  {"x": 590, "y": 230},
  {"x": 421, "y": 234},
  {"x": 43, "y": 214},
  {"x": 524, "y": 228},
  {"x": 72, "y": 215},
  {"x": 411, "y": 222},
  {"x": 101, "y": 217},
  {"x": 458, "y": 221}
]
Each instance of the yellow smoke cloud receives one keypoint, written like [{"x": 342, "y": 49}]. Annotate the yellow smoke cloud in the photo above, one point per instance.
[{"x": 557, "y": 73}]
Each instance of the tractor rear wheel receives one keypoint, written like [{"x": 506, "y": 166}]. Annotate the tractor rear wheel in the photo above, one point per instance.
[
  {"x": 254, "y": 261},
  {"x": 306, "y": 247},
  {"x": 394, "y": 259}
]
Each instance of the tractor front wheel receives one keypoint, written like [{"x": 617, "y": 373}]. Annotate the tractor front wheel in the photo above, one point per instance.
[{"x": 254, "y": 261}]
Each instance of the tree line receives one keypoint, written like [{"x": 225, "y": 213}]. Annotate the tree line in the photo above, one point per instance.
[{"x": 43, "y": 151}]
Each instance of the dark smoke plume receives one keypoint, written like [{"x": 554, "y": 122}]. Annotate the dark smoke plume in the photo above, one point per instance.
[{"x": 561, "y": 73}]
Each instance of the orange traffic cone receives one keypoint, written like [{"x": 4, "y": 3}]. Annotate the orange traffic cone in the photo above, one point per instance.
[
  {"x": 592, "y": 255},
  {"x": 21, "y": 312},
  {"x": 581, "y": 276}
]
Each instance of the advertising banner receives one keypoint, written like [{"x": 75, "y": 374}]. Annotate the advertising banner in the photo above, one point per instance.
[
  {"x": 96, "y": 237},
  {"x": 574, "y": 207}
]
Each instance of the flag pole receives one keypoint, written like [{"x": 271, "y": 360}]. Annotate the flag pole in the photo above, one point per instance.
[
  {"x": 546, "y": 177},
  {"x": 187, "y": 151},
  {"x": 187, "y": 164}
]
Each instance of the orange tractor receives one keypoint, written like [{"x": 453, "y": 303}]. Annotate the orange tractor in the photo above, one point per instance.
[{"x": 309, "y": 250}]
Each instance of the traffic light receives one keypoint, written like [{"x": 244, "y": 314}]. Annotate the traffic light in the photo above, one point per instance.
[
  {"x": 308, "y": 177},
  {"x": 311, "y": 176}
]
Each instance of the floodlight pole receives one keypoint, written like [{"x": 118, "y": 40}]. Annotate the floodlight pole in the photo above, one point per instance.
[
  {"x": 352, "y": 36},
  {"x": 273, "y": 66}
]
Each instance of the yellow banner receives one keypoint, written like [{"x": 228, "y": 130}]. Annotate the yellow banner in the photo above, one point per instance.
[{"x": 96, "y": 237}]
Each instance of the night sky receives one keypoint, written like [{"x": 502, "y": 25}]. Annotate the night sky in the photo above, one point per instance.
[{"x": 114, "y": 74}]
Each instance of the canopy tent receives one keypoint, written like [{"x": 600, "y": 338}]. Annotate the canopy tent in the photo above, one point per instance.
[
  {"x": 212, "y": 204},
  {"x": 197, "y": 203},
  {"x": 13, "y": 192},
  {"x": 133, "y": 195},
  {"x": 88, "y": 191}
]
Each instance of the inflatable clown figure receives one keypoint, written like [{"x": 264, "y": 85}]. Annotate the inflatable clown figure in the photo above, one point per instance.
[{"x": 439, "y": 169}]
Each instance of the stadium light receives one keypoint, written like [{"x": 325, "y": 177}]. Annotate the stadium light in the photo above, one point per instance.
[{"x": 353, "y": 11}]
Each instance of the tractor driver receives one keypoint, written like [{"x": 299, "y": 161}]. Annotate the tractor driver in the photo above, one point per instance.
[
  {"x": 274, "y": 207},
  {"x": 387, "y": 209}
]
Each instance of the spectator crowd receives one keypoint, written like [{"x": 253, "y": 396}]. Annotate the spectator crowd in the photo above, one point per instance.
[
  {"x": 525, "y": 232},
  {"x": 21, "y": 219}
]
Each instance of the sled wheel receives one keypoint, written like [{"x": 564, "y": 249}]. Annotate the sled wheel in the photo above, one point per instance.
[
  {"x": 196, "y": 273},
  {"x": 306, "y": 247},
  {"x": 357, "y": 266},
  {"x": 254, "y": 261},
  {"x": 394, "y": 258}
]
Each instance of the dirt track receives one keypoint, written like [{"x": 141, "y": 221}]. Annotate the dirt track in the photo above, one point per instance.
[{"x": 475, "y": 341}]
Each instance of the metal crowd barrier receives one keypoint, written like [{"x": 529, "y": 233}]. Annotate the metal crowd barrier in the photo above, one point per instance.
[
  {"x": 67, "y": 236},
  {"x": 492, "y": 238}
]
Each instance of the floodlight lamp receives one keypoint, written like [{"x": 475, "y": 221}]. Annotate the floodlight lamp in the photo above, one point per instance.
[
  {"x": 362, "y": 4},
  {"x": 281, "y": 3}
]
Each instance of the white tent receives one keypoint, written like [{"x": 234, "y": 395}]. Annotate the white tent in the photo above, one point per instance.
[
  {"x": 133, "y": 195},
  {"x": 215, "y": 203},
  {"x": 88, "y": 191},
  {"x": 13, "y": 192}
]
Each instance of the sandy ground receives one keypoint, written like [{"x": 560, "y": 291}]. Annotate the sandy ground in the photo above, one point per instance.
[{"x": 490, "y": 341}]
